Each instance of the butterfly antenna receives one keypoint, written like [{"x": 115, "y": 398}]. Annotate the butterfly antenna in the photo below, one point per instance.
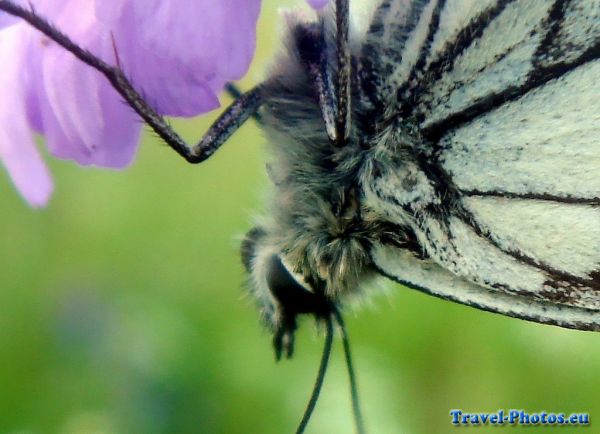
[
  {"x": 312, "y": 402},
  {"x": 358, "y": 419}
]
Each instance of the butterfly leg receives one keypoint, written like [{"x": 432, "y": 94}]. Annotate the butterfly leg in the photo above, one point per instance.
[
  {"x": 233, "y": 117},
  {"x": 234, "y": 92},
  {"x": 284, "y": 337}
]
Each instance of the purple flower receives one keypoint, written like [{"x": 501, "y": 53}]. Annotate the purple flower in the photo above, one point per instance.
[
  {"x": 6, "y": 19},
  {"x": 178, "y": 53}
]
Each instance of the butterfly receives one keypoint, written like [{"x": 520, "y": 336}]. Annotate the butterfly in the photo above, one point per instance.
[{"x": 452, "y": 147}]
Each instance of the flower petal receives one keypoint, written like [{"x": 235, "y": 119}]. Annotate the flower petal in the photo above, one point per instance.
[
  {"x": 82, "y": 116},
  {"x": 17, "y": 147},
  {"x": 7, "y": 19},
  {"x": 317, "y": 4},
  {"x": 105, "y": 133},
  {"x": 208, "y": 44}
]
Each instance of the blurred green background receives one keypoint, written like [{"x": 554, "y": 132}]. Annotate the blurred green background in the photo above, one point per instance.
[{"x": 122, "y": 310}]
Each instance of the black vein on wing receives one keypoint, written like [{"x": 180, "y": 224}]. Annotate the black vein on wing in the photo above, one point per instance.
[
  {"x": 444, "y": 63},
  {"x": 567, "y": 200},
  {"x": 553, "y": 21},
  {"x": 418, "y": 68},
  {"x": 538, "y": 77},
  {"x": 546, "y": 307},
  {"x": 452, "y": 206},
  {"x": 370, "y": 79},
  {"x": 560, "y": 286},
  {"x": 555, "y": 274},
  {"x": 380, "y": 55}
]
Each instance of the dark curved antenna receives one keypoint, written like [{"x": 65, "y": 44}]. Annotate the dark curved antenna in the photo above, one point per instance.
[
  {"x": 230, "y": 120},
  {"x": 358, "y": 419},
  {"x": 320, "y": 376}
]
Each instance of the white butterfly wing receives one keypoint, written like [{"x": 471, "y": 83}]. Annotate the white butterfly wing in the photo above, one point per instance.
[
  {"x": 429, "y": 277},
  {"x": 508, "y": 102}
]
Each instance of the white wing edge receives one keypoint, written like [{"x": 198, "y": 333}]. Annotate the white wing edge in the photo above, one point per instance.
[{"x": 426, "y": 276}]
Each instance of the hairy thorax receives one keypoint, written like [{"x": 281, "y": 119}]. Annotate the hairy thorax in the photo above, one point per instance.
[{"x": 331, "y": 203}]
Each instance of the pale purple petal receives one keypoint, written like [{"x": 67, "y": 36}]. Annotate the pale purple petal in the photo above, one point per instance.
[
  {"x": 317, "y": 4},
  {"x": 105, "y": 134},
  {"x": 7, "y": 19},
  {"x": 17, "y": 147},
  {"x": 181, "y": 52},
  {"x": 82, "y": 117}
]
